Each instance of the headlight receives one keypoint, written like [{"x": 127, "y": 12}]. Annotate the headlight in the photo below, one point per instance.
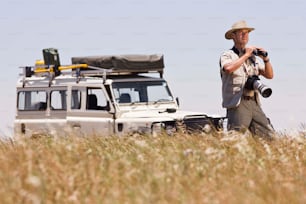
[
  {"x": 157, "y": 129},
  {"x": 170, "y": 130},
  {"x": 207, "y": 128}
]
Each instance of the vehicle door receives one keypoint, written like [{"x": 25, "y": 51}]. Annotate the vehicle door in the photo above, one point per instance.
[
  {"x": 56, "y": 119},
  {"x": 89, "y": 110}
]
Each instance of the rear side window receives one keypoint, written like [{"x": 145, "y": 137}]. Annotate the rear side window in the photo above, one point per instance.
[
  {"x": 32, "y": 100},
  {"x": 58, "y": 100},
  {"x": 76, "y": 99}
]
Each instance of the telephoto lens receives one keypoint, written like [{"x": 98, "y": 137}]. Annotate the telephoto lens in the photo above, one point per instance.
[{"x": 253, "y": 83}]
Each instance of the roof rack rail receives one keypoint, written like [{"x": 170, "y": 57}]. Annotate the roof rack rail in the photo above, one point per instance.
[
  {"x": 78, "y": 70},
  {"x": 83, "y": 69}
]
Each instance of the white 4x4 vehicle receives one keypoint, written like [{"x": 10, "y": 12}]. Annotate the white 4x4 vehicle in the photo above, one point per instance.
[{"x": 102, "y": 95}]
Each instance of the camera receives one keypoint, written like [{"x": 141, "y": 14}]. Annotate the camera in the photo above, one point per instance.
[
  {"x": 253, "y": 83},
  {"x": 258, "y": 52}
]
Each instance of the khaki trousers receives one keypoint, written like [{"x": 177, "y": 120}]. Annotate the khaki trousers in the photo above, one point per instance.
[{"x": 249, "y": 115}]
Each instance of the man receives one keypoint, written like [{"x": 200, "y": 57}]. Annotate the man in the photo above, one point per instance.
[{"x": 236, "y": 66}]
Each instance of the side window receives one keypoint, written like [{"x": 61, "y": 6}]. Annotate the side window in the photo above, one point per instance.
[
  {"x": 32, "y": 100},
  {"x": 58, "y": 100},
  {"x": 96, "y": 99},
  {"x": 76, "y": 99}
]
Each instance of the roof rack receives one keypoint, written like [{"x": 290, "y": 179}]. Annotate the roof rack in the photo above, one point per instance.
[
  {"x": 81, "y": 70},
  {"x": 94, "y": 65}
]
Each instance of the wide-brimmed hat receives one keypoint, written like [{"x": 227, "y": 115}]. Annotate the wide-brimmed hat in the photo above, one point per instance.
[{"x": 237, "y": 26}]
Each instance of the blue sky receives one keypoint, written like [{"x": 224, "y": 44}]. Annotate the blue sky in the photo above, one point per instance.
[{"x": 190, "y": 34}]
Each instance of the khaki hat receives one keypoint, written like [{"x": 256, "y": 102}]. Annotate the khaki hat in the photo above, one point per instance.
[{"x": 237, "y": 26}]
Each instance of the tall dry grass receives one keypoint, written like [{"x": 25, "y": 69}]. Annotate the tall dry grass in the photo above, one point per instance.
[{"x": 233, "y": 168}]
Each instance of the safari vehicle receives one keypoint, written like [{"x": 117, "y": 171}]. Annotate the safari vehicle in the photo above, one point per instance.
[{"x": 101, "y": 95}]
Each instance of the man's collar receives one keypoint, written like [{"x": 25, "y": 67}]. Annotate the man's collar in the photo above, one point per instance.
[{"x": 236, "y": 51}]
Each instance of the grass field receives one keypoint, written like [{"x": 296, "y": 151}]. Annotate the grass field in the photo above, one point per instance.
[{"x": 234, "y": 168}]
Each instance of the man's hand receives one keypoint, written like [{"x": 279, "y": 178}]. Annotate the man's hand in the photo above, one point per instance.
[
  {"x": 264, "y": 58},
  {"x": 249, "y": 50}
]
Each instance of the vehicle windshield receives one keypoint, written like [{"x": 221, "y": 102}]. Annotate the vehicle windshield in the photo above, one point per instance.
[{"x": 141, "y": 92}]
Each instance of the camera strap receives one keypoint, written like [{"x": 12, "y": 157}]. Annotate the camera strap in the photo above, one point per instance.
[{"x": 251, "y": 61}]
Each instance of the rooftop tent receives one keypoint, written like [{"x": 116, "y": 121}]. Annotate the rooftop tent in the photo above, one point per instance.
[
  {"x": 132, "y": 63},
  {"x": 95, "y": 61}
]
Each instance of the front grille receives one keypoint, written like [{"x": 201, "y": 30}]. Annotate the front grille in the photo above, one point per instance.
[{"x": 197, "y": 123}]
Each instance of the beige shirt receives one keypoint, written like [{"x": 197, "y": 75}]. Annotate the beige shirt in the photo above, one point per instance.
[{"x": 233, "y": 83}]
